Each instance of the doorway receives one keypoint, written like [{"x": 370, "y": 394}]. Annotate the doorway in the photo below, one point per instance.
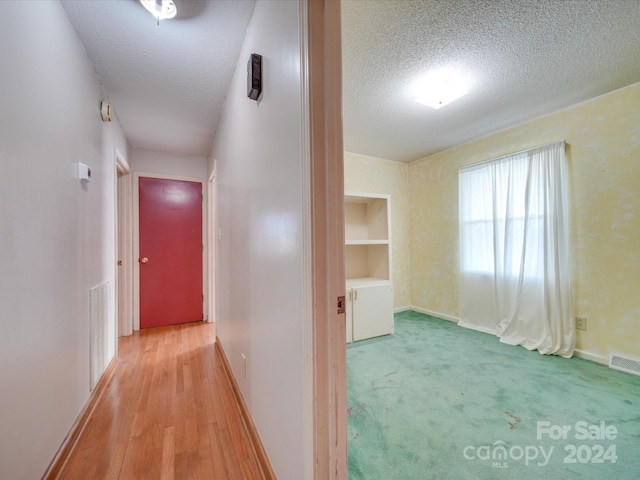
[{"x": 170, "y": 251}]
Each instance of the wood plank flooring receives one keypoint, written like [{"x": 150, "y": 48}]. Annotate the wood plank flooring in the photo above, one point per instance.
[{"x": 168, "y": 412}]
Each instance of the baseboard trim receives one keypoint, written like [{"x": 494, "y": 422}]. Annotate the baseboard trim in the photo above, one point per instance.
[
  {"x": 402, "y": 309},
  {"x": 59, "y": 462},
  {"x": 591, "y": 356},
  {"x": 444, "y": 316},
  {"x": 256, "y": 443},
  {"x": 594, "y": 357}
]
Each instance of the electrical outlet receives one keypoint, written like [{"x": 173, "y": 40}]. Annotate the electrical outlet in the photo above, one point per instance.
[
  {"x": 581, "y": 323},
  {"x": 244, "y": 365}
]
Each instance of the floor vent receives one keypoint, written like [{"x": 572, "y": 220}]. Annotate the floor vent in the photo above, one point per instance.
[
  {"x": 624, "y": 364},
  {"x": 99, "y": 316}
]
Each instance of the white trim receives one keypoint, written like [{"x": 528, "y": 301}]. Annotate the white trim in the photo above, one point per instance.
[
  {"x": 402, "y": 309},
  {"x": 324, "y": 81},
  {"x": 487, "y": 330},
  {"x": 443, "y": 316},
  {"x": 136, "y": 238},
  {"x": 308, "y": 387},
  {"x": 125, "y": 237},
  {"x": 121, "y": 162},
  {"x": 124, "y": 274},
  {"x": 594, "y": 357},
  {"x": 211, "y": 250}
]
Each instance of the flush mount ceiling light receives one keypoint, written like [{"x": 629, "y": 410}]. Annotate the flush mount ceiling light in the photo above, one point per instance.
[
  {"x": 160, "y": 9},
  {"x": 439, "y": 89}
]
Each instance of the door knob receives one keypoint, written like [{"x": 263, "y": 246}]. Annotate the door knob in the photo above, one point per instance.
[{"x": 144, "y": 260}]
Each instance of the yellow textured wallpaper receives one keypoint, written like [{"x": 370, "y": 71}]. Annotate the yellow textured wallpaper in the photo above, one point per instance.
[
  {"x": 374, "y": 175},
  {"x": 603, "y": 148}
]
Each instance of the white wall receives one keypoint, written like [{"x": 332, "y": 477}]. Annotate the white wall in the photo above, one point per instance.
[
  {"x": 149, "y": 161},
  {"x": 56, "y": 235},
  {"x": 260, "y": 175}
]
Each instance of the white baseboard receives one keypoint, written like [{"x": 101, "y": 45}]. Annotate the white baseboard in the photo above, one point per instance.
[
  {"x": 444, "y": 316},
  {"x": 401, "y": 309},
  {"x": 594, "y": 357}
]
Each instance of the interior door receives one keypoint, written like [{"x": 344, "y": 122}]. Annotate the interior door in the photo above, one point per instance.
[{"x": 170, "y": 252}]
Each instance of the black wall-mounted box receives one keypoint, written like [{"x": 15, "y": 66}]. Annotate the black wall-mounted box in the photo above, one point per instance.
[{"x": 254, "y": 76}]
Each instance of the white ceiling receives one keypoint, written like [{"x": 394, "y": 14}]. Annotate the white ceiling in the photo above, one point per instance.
[
  {"x": 167, "y": 82},
  {"x": 523, "y": 59}
]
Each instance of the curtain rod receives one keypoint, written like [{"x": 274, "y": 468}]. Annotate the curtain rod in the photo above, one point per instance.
[{"x": 473, "y": 165}]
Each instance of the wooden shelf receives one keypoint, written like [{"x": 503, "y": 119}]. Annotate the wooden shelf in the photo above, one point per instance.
[
  {"x": 366, "y": 242},
  {"x": 366, "y": 282}
]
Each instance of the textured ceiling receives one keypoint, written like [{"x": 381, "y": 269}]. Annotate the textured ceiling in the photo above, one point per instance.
[
  {"x": 522, "y": 58},
  {"x": 167, "y": 82}
]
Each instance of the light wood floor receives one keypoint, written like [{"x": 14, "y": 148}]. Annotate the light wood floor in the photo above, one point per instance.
[{"x": 167, "y": 412}]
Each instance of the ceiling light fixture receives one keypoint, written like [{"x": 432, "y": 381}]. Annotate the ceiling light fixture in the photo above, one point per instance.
[
  {"x": 439, "y": 89},
  {"x": 160, "y": 9}
]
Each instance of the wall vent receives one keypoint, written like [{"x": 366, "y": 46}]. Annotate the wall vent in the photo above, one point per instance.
[
  {"x": 624, "y": 364},
  {"x": 99, "y": 320}
]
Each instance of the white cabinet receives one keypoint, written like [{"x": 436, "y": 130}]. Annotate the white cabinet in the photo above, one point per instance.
[
  {"x": 369, "y": 309},
  {"x": 368, "y": 266}
]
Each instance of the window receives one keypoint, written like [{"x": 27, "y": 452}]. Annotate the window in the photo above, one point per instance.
[
  {"x": 492, "y": 217},
  {"x": 514, "y": 250}
]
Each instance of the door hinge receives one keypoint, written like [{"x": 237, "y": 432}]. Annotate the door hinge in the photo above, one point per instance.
[{"x": 341, "y": 305}]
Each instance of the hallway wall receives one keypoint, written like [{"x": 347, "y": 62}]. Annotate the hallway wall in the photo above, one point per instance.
[
  {"x": 262, "y": 249},
  {"x": 56, "y": 234}
]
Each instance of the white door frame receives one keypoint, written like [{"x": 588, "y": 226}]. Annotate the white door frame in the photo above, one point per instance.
[
  {"x": 123, "y": 292},
  {"x": 136, "y": 240},
  {"x": 324, "y": 78},
  {"x": 210, "y": 294}
]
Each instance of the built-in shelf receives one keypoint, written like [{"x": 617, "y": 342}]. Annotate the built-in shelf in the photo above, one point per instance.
[
  {"x": 367, "y": 236},
  {"x": 366, "y": 218},
  {"x": 368, "y": 266}
]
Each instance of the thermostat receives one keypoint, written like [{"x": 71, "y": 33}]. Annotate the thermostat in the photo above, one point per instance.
[{"x": 84, "y": 172}]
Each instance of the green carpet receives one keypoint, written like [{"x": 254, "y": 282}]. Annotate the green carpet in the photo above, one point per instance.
[{"x": 437, "y": 401}]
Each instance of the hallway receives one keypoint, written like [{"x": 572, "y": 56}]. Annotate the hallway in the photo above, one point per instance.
[{"x": 167, "y": 412}]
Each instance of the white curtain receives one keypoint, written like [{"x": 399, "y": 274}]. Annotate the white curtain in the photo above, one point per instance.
[{"x": 514, "y": 250}]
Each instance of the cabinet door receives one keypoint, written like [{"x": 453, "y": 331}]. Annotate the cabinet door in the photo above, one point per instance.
[
  {"x": 372, "y": 311},
  {"x": 349, "y": 312}
]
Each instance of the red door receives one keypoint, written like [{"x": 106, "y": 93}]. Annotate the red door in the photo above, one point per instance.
[{"x": 170, "y": 252}]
